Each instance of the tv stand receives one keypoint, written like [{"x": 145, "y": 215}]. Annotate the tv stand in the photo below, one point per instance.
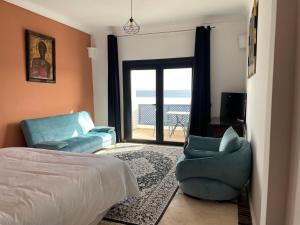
[{"x": 216, "y": 128}]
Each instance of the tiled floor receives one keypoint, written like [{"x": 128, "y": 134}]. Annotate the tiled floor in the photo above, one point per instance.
[
  {"x": 147, "y": 134},
  {"x": 184, "y": 210}
]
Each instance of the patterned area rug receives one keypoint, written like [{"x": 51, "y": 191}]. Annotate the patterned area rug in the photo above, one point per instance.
[{"x": 154, "y": 166}]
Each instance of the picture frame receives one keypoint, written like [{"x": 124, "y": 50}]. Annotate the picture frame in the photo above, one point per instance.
[
  {"x": 252, "y": 42},
  {"x": 40, "y": 57}
]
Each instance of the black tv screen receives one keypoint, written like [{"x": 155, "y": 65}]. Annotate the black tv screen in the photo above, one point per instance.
[{"x": 233, "y": 106}]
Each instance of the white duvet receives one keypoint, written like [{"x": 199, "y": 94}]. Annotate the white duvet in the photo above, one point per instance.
[{"x": 42, "y": 187}]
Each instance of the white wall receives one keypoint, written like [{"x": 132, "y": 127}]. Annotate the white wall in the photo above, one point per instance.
[
  {"x": 227, "y": 73},
  {"x": 99, "y": 64},
  {"x": 259, "y": 87},
  {"x": 228, "y": 61},
  {"x": 280, "y": 136},
  {"x": 269, "y": 111}
]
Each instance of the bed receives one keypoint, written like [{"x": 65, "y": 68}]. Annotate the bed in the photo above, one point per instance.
[{"x": 45, "y": 187}]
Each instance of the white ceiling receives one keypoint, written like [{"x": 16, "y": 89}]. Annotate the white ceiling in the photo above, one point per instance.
[{"x": 87, "y": 15}]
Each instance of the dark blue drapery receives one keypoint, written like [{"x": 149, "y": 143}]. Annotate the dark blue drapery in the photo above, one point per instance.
[
  {"x": 201, "y": 105},
  {"x": 114, "y": 111}
]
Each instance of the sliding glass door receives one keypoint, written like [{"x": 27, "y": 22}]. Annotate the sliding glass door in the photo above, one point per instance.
[
  {"x": 143, "y": 104},
  {"x": 157, "y": 98},
  {"x": 177, "y": 103}
]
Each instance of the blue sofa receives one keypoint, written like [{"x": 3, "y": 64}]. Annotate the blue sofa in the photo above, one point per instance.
[
  {"x": 74, "y": 132},
  {"x": 215, "y": 168}
]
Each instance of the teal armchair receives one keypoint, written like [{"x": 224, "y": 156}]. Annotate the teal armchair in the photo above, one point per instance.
[{"x": 214, "y": 168}]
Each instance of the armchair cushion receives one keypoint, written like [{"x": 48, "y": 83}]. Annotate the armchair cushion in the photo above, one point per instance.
[
  {"x": 203, "y": 143},
  {"x": 195, "y": 153},
  {"x": 230, "y": 141},
  {"x": 202, "y": 147}
]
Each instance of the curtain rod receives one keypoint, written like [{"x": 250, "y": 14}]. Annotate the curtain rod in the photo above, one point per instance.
[{"x": 160, "y": 32}]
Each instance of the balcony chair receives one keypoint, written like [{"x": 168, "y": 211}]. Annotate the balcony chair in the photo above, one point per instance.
[{"x": 215, "y": 168}]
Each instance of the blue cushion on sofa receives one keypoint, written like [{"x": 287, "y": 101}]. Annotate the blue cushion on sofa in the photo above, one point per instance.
[
  {"x": 230, "y": 141},
  {"x": 51, "y": 145},
  {"x": 83, "y": 144}
]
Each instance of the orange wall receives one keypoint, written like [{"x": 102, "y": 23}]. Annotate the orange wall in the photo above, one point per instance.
[{"x": 20, "y": 99}]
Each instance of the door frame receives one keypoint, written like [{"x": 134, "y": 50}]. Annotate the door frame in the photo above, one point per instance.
[{"x": 153, "y": 64}]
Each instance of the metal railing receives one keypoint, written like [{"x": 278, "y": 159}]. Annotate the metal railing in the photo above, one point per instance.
[{"x": 147, "y": 114}]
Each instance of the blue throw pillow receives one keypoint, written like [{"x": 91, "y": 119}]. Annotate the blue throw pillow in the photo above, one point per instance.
[{"x": 230, "y": 141}]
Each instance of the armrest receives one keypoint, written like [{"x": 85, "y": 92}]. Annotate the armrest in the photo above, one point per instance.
[
  {"x": 104, "y": 129},
  {"x": 199, "y": 153},
  {"x": 203, "y": 143},
  {"x": 231, "y": 168}
]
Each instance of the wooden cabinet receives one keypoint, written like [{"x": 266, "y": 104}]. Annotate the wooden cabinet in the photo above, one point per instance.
[{"x": 216, "y": 128}]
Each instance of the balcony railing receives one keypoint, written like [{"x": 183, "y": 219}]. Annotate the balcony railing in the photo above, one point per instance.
[{"x": 147, "y": 114}]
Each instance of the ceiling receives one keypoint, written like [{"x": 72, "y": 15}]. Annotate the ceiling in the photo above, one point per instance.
[{"x": 87, "y": 15}]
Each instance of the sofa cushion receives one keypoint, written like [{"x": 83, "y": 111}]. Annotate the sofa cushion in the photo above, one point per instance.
[
  {"x": 83, "y": 144},
  {"x": 230, "y": 141},
  {"x": 105, "y": 137},
  {"x": 51, "y": 145}
]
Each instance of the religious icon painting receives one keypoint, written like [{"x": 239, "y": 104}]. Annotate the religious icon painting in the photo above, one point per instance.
[
  {"x": 40, "y": 57},
  {"x": 252, "y": 44}
]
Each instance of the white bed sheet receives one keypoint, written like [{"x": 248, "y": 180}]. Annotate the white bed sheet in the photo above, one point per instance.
[{"x": 44, "y": 187}]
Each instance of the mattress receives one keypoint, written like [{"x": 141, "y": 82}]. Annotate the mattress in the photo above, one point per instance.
[{"x": 45, "y": 187}]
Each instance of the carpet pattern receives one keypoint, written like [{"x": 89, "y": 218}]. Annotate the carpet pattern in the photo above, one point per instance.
[{"x": 154, "y": 167}]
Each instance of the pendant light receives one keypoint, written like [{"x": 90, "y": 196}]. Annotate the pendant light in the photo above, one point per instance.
[{"x": 131, "y": 27}]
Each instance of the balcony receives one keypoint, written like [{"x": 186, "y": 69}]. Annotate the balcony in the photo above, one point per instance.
[{"x": 175, "y": 119}]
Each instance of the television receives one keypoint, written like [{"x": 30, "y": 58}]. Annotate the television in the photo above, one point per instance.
[{"x": 233, "y": 107}]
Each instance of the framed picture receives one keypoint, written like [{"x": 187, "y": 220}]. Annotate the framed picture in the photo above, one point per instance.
[
  {"x": 252, "y": 40},
  {"x": 40, "y": 57}
]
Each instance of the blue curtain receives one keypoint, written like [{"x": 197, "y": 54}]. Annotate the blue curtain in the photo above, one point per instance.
[
  {"x": 114, "y": 111},
  {"x": 201, "y": 105}
]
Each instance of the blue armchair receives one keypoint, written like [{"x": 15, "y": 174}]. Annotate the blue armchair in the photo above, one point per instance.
[{"x": 215, "y": 168}]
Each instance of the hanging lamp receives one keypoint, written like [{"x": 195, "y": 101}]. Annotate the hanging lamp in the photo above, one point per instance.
[{"x": 131, "y": 27}]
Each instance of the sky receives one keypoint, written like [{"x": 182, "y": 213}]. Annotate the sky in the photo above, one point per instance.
[{"x": 174, "y": 79}]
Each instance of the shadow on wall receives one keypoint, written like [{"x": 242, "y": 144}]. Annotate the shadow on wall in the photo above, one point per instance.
[
  {"x": 255, "y": 181},
  {"x": 14, "y": 136}
]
